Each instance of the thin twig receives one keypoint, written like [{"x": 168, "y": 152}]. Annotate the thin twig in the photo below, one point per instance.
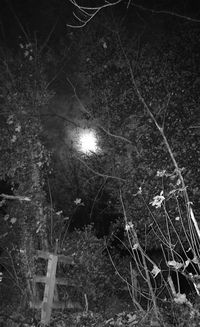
[
  {"x": 84, "y": 110},
  {"x": 87, "y": 13},
  {"x": 166, "y": 12},
  {"x": 18, "y": 21},
  {"x": 100, "y": 174},
  {"x": 15, "y": 197},
  {"x": 191, "y": 218},
  {"x": 48, "y": 37}
]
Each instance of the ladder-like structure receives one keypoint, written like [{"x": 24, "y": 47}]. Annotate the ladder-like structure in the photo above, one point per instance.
[{"x": 51, "y": 297}]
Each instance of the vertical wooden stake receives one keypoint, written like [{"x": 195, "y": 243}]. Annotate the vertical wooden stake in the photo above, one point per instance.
[{"x": 49, "y": 289}]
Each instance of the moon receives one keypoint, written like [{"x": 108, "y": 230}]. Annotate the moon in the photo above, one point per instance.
[
  {"x": 88, "y": 142},
  {"x": 85, "y": 141}
]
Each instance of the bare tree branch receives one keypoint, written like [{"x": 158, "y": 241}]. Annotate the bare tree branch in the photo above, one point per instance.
[
  {"x": 15, "y": 197},
  {"x": 83, "y": 109},
  {"x": 87, "y": 13},
  {"x": 100, "y": 174},
  {"x": 48, "y": 37},
  {"x": 18, "y": 21},
  {"x": 166, "y": 12},
  {"x": 190, "y": 214}
]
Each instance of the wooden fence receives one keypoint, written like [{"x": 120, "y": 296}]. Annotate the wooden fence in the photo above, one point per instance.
[{"x": 51, "y": 297}]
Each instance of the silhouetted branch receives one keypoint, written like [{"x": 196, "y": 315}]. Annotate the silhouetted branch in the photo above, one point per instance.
[
  {"x": 100, "y": 174},
  {"x": 87, "y": 13},
  {"x": 86, "y": 111},
  {"x": 15, "y": 197},
  {"x": 166, "y": 12}
]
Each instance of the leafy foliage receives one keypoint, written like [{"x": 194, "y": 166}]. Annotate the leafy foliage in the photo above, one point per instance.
[
  {"x": 93, "y": 273},
  {"x": 23, "y": 157},
  {"x": 133, "y": 150}
]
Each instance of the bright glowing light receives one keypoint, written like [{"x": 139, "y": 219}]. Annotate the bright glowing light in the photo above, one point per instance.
[
  {"x": 85, "y": 140},
  {"x": 88, "y": 141}
]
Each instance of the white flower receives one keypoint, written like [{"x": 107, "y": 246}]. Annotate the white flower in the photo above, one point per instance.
[
  {"x": 10, "y": 120},
  {"x": 59, "y": 212},
  {"x": 78, "y": 202},
  {"x": 18, "y": 128},
  {"x": 157, "y": 200},
  {"x": 175, "y": 264},
  {"x": 135, "y": 246},
  {"x": 155, "y": 271},
  {"x": 180, "y": 298},
  {"x": 129, "y": 225},
  {"x": 160, "y": 173}
]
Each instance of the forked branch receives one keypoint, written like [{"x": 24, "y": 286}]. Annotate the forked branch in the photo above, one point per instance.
[{"x": 87, "y": 13}]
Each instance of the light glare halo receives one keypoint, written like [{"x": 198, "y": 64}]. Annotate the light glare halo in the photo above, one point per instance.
[{"x": 87, "y": 141}]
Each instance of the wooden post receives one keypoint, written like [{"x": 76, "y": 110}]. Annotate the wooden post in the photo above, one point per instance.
[
  {"x": 51, "y": 297},
  {"x": 49, "y": 289}
]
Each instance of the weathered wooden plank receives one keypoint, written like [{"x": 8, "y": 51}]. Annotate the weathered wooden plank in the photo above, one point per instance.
[
  {"x": 64, "y": 281},
  {"x": 51, "y": 296},
  {"x": 40, "y": 279},
  {"x": 59, "y": 280},
  {"x": 66, "y": 259},
  {"x": 49, "y": 290},
  {"x": 61, "y": 257},
  {"x": 56, "y": 295},
  {"x": 42, "y": 254},
  {"x": 57, "y": 305}
]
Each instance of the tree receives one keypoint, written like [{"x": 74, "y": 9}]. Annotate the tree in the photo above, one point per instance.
[
  {"x": 22, "y": 154},
  {"x": 117, "y": 75}
]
